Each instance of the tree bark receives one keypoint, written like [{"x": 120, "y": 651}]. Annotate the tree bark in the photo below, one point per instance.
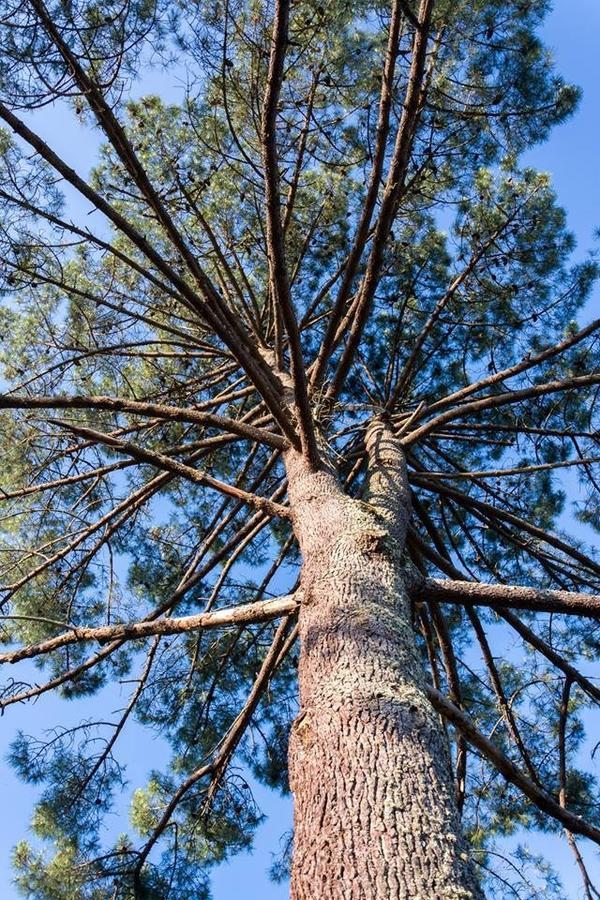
[{"x": 374, "y": 810}]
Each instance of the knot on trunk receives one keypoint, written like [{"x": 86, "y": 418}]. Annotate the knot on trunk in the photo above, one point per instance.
[
  {"x": 371, "y": 541},
  {"x": 303, "y": 731}
]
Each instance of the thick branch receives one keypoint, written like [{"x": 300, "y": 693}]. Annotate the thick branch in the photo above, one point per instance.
[
  {"x": 472, "y": 593},
  {"x": 278, "y": 273},
  {"x": 245, "y": 614},
  {"x": 362, "y": 231},
  {"x": 411, "y": 109}
]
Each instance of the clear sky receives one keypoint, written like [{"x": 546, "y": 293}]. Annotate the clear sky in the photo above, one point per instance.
[{"x": 571, "y": 156}]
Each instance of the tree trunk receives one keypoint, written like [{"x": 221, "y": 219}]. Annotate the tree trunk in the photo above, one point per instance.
[{"x": 375, "y": 814}]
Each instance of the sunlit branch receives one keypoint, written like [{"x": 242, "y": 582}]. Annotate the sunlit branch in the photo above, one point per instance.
[
  {"x": 245, "y": 614},
  {"x": 193, "y": 577}
]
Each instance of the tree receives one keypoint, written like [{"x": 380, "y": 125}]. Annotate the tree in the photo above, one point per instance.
[{"x": 312, "y": 329}]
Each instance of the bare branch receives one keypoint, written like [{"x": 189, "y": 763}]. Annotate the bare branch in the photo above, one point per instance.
[
  {"x": 473, "y": 593},
  {"x": 245, "y": 614},
  {"x": 498, "y": 400},
  {"x": 158, "y": 410},
  {"x": 161, "y": 461},
  {"x": 543, "y": 800}
]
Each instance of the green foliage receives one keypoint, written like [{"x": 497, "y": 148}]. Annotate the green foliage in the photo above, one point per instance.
[{"x": 86, "y": 311}]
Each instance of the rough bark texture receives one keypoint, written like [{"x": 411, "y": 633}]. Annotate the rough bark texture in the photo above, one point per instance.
[
  {"x": 375, "y": 815},
  {"x": 506, "y": 596}
]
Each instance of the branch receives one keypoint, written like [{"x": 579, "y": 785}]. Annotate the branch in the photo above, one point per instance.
[
  {"x": 590, "y": 890},
  {"x": 511, "y": 371},
  {"x": 449, "y": 660},
  {"x": 551, "y": 655},
  {"x": 193, "y": 576},
  {"x": 493, "y": 512},
  {"x": 412, "y": 106},
  {"x": 408, "y": 370},
  {"x": 517, "y": 470},
  {"x": 263, "y": 379},
  {"x": 159, "y": 410},
  {"x": 218, "y": 764},
  {"x": 278, "y": 273},
  {"x": 89, "y": 237},
  {"x": 503, "y": 704},
  {"x": 517, "y": 429},
  {"x": 409, "y": 14},
  {"x": 68, "y": 479},
  {"x": 166, "y": 463},
  {"x": 503, "y": 399},
  {"x": 245, "y": 614},
  {"x": 473, "y": 593},
  {"x": 526, "y": 633},
  {"x": 330, "y": 340},
  {"x": 127, "y": 507},
  {"x": 543, "y": 800}
]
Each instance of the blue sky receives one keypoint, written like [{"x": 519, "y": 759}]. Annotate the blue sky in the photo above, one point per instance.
[{"x": 571, "y": 156}]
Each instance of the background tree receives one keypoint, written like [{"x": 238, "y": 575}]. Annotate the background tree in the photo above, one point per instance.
[{"x": 318, "y": 336}]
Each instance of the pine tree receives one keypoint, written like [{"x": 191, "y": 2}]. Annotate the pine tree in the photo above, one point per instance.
[{"x": 293, "y": 390}]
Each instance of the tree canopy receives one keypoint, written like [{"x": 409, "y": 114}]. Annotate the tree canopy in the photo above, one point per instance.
[{"x": 331, "y": 224}]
